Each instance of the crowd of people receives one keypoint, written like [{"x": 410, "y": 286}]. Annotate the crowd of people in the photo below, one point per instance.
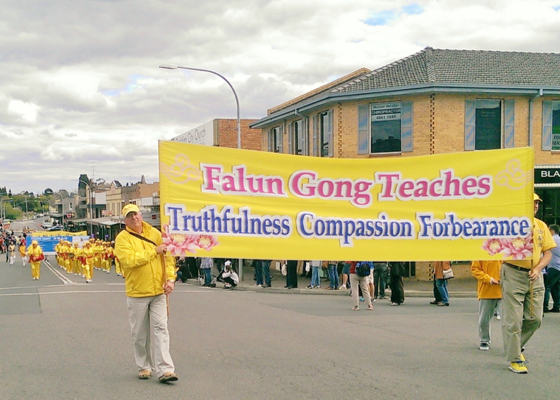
[{"x": 94, "y": 254}]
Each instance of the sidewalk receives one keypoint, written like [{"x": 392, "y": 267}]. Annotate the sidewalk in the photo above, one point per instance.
[{"x": 412, "y": 287}]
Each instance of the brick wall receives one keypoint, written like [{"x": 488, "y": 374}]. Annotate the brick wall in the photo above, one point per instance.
[{"x": 226, "y": 132}]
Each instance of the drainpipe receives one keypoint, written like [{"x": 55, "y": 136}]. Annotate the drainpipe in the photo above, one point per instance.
[{"x": 531, "y": 106}]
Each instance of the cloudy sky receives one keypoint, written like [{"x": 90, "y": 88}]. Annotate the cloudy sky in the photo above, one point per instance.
[{"x": 81, "y": 91}]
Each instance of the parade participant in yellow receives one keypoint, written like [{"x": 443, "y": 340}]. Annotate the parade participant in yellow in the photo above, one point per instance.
[
  {"x": 66, "y": 255},
  {"x": 58, "y": 250},
  {"x": 87, "y": 254},
  {"x": 97, "y": 250},
  {"x": 108, "y": 257},
  {"x": 72, "y": 258},
  {"x": 118, "y": 268},
  {"x": 23, "y": 253},
  {"x": 35, "y": 254},
  {"x": 149, "y": 278},
  {"x": 523, "y": 294}
]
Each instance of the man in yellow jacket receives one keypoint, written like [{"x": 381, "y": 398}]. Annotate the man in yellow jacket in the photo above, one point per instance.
[
  {"x": 487, "y": 273},
  {"x": 149, "y": 277}
]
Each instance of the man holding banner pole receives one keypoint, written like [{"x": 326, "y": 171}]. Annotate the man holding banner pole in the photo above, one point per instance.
[
  {"x": 523, "y": 294},
  {"x": 149, "y": 278}
]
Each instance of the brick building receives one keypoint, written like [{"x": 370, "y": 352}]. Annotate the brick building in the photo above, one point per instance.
[{"x": 432, "y": 102}]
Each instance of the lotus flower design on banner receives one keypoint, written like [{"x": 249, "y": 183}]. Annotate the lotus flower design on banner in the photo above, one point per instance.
[
  {"x": 514, "y": 248},
  {"x": 179, "y": 245}
]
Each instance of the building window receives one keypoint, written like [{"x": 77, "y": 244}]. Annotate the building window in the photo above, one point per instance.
[
  {"x": 385, "y": 128},
  {"x": 275, "y": 139},
  {"x": 298, "y": 138},
  {"x": 489, "y": 124},
  {"x": 552, "y": 122},
  {"x": 322, "y": 134}
]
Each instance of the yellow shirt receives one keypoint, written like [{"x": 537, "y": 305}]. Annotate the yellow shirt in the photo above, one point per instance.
[{"x": 542, "y": 241}]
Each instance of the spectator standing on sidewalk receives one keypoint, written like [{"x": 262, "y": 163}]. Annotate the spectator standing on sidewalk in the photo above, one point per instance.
[
  {"x": 206, "y": 264},
  {"x": 257, "y": 265},
  {"x": 359, "y": 281},
  {"x": 380, "y": 282},
  {"x": 333, "y": 275},
  {"x": 267, "y": 279},
  {"x": 439, "y": 267},
  {"x": 396, "y": 272},
  {"x": 315, "y": 281},
  {"x": 345, "y": 276},
  {"x": 487, "y": 273},
  {"x": 552, "y": 283},
  {"x": 291, "y": 275}
]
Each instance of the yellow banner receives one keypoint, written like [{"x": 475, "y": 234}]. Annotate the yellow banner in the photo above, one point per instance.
[
  {"x": 221, "y": 202},
  {"x": 58, "y": 233}
]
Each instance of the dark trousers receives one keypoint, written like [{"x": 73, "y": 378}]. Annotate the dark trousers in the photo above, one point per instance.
[
  {"x": 291, "y": 277},
  {"x": 266, "y": 272},
  {"x": 379, "y": 274},
  {"x": 552, "y": 287},
  {"x": 437, "y": 294},
  {"x": 230, "y": 281},
  {"x": 258, "y": 271},
  {"x": 397, "y": 289}
]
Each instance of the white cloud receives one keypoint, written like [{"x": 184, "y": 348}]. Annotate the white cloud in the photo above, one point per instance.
[{"x": 27, "y": 111}]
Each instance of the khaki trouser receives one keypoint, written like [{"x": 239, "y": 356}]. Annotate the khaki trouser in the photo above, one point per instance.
[
  {"x": 356, "y": 280},
  {"x": 151, "y": 346},
  {"x": 522, "y": 309}
]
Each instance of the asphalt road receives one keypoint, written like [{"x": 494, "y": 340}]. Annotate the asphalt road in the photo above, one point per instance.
[{"x": 72, "y": 341}]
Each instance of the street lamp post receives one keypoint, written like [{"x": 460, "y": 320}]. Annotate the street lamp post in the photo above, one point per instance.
[
  {"x": 229, "y": 84},
  {"x": 238, "y": 119}
]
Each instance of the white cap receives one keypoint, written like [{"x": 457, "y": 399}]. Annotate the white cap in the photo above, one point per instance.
[{"x": 228, "y": 263}]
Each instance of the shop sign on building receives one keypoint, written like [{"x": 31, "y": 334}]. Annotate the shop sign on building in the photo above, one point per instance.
[
  {"x": 203, "y": 134},
  {"x": 547, "y": 176}
]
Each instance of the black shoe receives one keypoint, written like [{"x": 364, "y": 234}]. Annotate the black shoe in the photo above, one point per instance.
[
  {"x": 286, "y": 287},
  {"x": 290, "y": 287},
  {"x": 434, "y": 302}
]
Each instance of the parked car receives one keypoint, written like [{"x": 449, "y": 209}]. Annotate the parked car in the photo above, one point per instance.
[
  {"x": 56, "y": 228},
  {"x": 47, "y": 225}
]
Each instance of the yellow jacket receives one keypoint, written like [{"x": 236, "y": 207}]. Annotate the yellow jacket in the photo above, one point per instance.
[
  {"x": 37, "y": 251},
  {"x": 142, "y": 266},
  {"x": 483, "y": 271}
]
